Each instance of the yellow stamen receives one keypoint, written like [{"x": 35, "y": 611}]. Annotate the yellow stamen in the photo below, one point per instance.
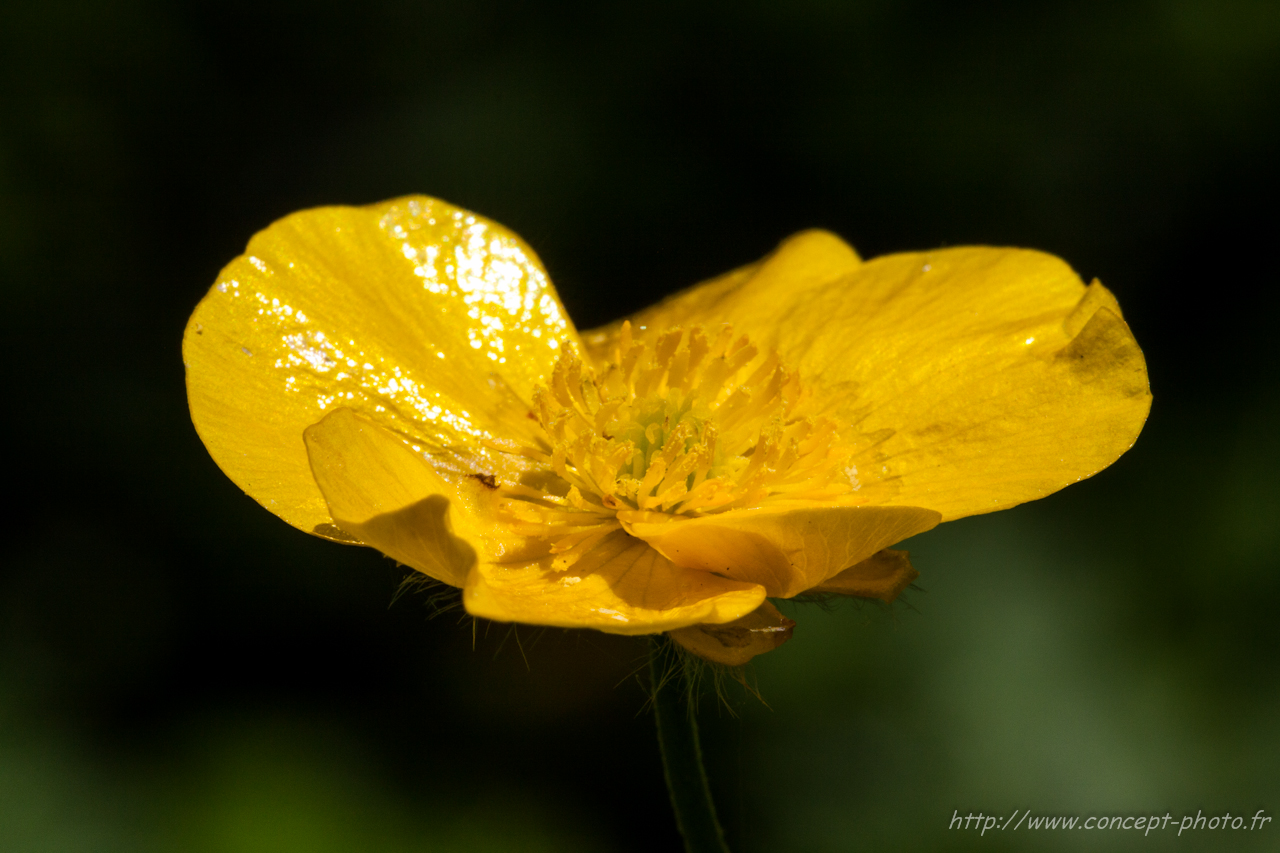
[{"x": 687, "y": 425}]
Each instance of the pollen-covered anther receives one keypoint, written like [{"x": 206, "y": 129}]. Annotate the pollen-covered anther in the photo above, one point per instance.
[{"x": 689, "y": 424}]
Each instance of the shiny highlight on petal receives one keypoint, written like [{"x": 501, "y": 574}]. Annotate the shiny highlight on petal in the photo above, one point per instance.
[{"x": 425, "y": 318}]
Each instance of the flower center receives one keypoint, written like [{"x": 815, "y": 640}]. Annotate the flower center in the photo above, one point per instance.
[{"x": 689, "y": 425}]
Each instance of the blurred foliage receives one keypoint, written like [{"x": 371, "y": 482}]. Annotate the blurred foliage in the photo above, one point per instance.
[{"x": 179, "y": 670}]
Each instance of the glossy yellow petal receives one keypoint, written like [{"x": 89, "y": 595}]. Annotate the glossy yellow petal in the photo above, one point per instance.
[
  {"x": 748, "y": 297},
  {"x": 621, "y": 586},
  {"x": 425, "y": 318},
  {"x": 787, "y": 550},
  {"x": 883, "y": 575},
  {"x": 998, "y": 377},
  {"x": 736, "y": 643},
  {"x": 381, "y": 492},
  {"x": 968, "y": 355}
]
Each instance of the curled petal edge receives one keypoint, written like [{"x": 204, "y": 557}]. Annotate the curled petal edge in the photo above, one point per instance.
[
  {"x": 384, "y": 494},
  {"x": 883, "y": 575},
  {"x": 736, "y": 643}
]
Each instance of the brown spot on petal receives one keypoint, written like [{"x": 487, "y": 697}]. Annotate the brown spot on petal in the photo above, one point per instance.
[{"x": 488, "y": 480}]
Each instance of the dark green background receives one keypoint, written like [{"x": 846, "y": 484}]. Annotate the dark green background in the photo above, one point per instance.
[{"x": 181, "y": 671}]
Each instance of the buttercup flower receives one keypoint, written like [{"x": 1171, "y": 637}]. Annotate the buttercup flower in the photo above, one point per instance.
[{"x": 404, "y": 376}]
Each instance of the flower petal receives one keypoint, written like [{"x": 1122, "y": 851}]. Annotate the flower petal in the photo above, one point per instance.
[
  {"x": 622, "y": 586},
  {"x": 1001, "y": 376},
  {"x": 883, "y": 575},
  {"x": 427, "y": 319},
  {"x": 748, "y": 296},
  {"x": 996, "y": 375},
  {"x": 1008, "y": 410},
  {"x": 787, "y": 550},
  {"x": 383, "y": 493},
  {"x": 736, "y": 643}
]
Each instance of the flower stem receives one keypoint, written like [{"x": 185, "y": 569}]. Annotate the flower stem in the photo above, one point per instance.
[{"x": 682, "y": 755}]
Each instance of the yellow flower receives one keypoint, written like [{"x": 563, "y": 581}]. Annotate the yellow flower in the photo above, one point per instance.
[{"x": 404, "y": 376}]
